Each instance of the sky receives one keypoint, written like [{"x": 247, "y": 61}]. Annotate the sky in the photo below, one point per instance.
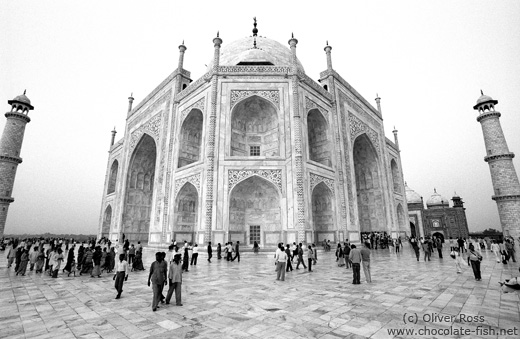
[{"x": 427, "y": 60}]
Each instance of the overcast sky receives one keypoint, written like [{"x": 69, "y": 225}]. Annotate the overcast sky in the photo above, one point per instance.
[{"x": 428, "y": 60}]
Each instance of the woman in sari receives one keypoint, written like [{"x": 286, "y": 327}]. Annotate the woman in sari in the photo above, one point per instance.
[
  {"x": 24, "y": 259},
  {"x": 40, "y": 261},
  {"x": 70, "y": 260}
]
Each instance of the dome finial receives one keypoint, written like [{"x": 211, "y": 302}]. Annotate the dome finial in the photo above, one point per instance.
[
  {"x": 292, "y": 35},
  {"x": 481, "y": 93},
  {"x": 218, "y": 34},
  {"x": 24, "y": 91},
  {"x": 255, "y": 30},
  {"x": 434, "y": 190}
]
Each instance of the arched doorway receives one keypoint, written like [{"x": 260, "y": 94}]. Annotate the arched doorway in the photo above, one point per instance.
[
  {"x": 412, "y": 230},
  {"x": 190, "y": 138},
  {"x": 113, "y": 177},
  {"x": 139, "y": 190},
  {"x": 254, "y": 211},
  {"x": 254, "y": 128},
  {"x": 107, "y": 219},
  {"x": 368, "y": 187},
  {"x": 318, "y": 136},
  {"x": 186, "y": 208},
  {"x": 322, "y": 208},
  {"x": 438, "y": 235}
]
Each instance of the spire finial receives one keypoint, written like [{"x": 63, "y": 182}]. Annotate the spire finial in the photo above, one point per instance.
[
  {"x": 24, "y": 91},
  {"x": 434, "y": 190},
  {"x": 327, "y": 42},
  {"x": 218, "y": 34},
  {"x": 132, "y": 94},
  {"x": 183, "y": 41},
  {"x": 255, "y": 30},
  {"x": 292, "y": 35},
  {"x": 481, "y": 93}
]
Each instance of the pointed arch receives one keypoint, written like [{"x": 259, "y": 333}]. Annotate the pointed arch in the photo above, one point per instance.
[
  {"x": 107, "y": 220},
  {"x": 255, "y": 202},
  {"x": 186, "y": 209},
  {"x": 138, "y": 196},
  {"x": 190, "y": 138},
  {"x": 322, "y": 201},
  {"x": 112, "y": 179},
  {"x": 369, "y": 191},
  {"x": 318, "y": 138},
  {"x": 255, "y": 128}
]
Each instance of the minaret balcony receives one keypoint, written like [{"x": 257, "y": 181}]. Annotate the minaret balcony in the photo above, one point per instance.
[
  {"x": 491, "y": 158},
  {"x": 506, "y": 197},
  {"x": 10, "y": 158},
  {"x": 488, "y": 115},
  {"x": 17, "y": 115},
  {"x": 7, "y": 200}
]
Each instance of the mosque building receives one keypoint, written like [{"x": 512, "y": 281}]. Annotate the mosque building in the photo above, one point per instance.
[
  {"x": 254, "y": 150},
  {"x": 438, "y": 218}
]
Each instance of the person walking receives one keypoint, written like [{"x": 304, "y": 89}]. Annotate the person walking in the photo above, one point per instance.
[
  {"x": 439, "y": 247},
  {"x": 280, "y": 261},
  {"x": 185, "y": 260},
  {"x": 219, "y": 251},
  {"x": 121, "y": 274},
  {"x": 426, "y": 249},
  {"x": 229, "y": 251},
  {"x": 474, "y": 258},
  {"x": 346, "y": 254},
  {"x": 158, "y": 278},
  {"x": 40, "y": 261},
  {"x": 24, "y": 259},
  {"x": 33, "y": 256},
  {"x": 210, "y": 251},
  {"x": 415, "y": 247},
  {"x": 496, "y": 250},
  {"x": 237, "y": 251},
  {"x": 131, "y": 254},
  {"x": 365, "y": 257},
  {"x": 340, "y": 255},
  {"x": 195, "y": 255},
  {"x": 460, "y": 243},
  {"x": 510, "y": 248},
  {"x": 11, "y": 255},
  {"x": 315, "y": 251},
  {"x": 96, "y": 259},
  {"x": 310, "y": 257},
  {"x": 288, "y": 261},
  {"x": 300, "y": 257},
  {"x": 256, "y": 248},
  {"x": 175, "y": 279},
  {"x": 355, "y": 258},
  {"x": 58, "y": 259},
  {"x": 458, "y": 259}
]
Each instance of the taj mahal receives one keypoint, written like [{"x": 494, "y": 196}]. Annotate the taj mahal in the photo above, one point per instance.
[{"x": 254, "y": 150}]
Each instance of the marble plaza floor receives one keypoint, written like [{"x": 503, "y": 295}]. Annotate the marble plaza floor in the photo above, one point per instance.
[{"x": 244, "y": 300}]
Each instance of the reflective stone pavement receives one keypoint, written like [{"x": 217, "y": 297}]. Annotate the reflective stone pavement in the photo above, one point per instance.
[{"x": 244, "y": 300}]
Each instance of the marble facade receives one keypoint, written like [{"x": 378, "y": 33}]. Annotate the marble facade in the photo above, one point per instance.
[{"x": 254, "y": 150}]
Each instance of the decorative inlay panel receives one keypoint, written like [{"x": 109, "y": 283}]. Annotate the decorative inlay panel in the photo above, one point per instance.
[
  {"x": 197, "y": 105},
  {"x": 236, "y": 176},
  {"x": 314, "y": 85},
  {"x": 253, "y": 69},
  {"x": 358, "y": 127},
  {"x": 316, "y": 179},
  {"x": 151, "y": 127},
  {"x": 151, "y": 108},
  {"x": 193, "y": 179},
  {"x": 362, "y": 112},
  {"x": 273, "y": 96}
]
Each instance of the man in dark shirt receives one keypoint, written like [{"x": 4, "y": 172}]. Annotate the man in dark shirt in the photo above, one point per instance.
[
  {"x": 158, "y": 278},
  {"x": 210, "y": 251},
  {"x": 237, "y": 252}
]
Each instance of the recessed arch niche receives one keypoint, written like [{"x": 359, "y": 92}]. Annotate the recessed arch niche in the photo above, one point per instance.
[
  {"x": 254, "y": 123},
  {"x": 139, "y": 190},
  {"x": 191, "y": 138},
  {"x": 255, "y": 202},
  {"x": 322, "y": 208},
  {"x": 318, "y": 137},
  {"x": 107, "y": 219},
  {"x": 112, "y": 179},
  {"x": 395, "y": 175},
  {"x": 368, "y": 186},
  {"x": 186, "y": 207}
]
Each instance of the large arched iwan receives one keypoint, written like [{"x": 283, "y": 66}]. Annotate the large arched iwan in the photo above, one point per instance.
[
  {"x": 139, "y": 190},
  {"x": 368, "y": 186},
  {"x": 254, "y": 128},
  {"x": 254, "y": 209}
]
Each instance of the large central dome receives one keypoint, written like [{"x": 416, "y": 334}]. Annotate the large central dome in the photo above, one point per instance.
[{"x": 267, "y": 52}]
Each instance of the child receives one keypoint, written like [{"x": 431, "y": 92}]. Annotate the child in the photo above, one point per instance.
[{"x": 458, "y": 259}]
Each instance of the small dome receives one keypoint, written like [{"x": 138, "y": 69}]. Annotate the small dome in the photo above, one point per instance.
[
  {"x": 484, "y": 99},
  {"x": 412, "y": 197},
  {"x": 268, "y": 52},
  {"x": 437, "y": 200},
  {"x": 22, "y": 99}
]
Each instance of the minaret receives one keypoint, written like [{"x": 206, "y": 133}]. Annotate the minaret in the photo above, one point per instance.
[
  {"x": 327, "y": 50},
  {"x": 378, "y": 102},
  {"x": 114, "y": 132},
  {"x": 503, "y": 175},
  {"x": 10, "y": 147},
  {"x": 130, "y": 102},
  {"x": 396, "y": 139}
]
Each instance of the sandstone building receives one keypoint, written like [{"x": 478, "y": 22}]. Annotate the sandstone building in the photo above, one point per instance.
[
  {"x": 438, "y": 218},
  {"x": 254, "y": 150}
]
